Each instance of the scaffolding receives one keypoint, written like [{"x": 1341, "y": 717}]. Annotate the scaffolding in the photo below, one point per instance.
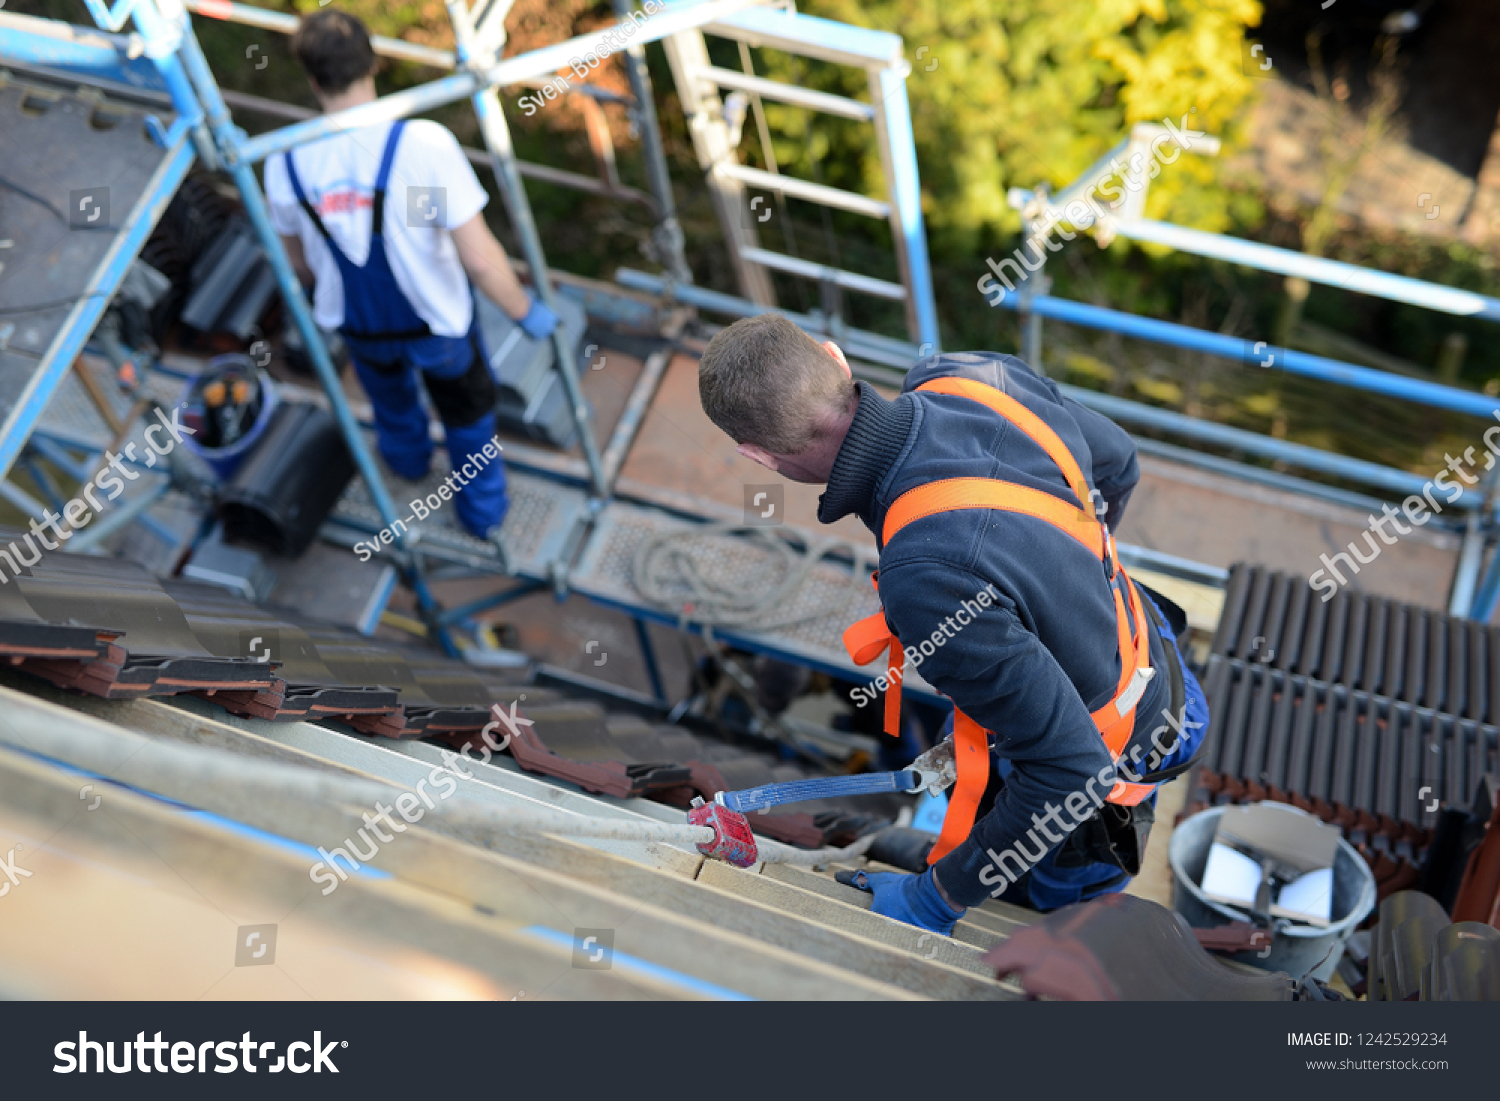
[
  {"x": 570, "y": 529},
  {"x": 563, "y": 531}
]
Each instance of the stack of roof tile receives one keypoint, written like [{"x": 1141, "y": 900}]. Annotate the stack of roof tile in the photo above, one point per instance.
[
  {"x": 1368, "y": 713},
  {"x": 108, "y": 628},
  {"x": 148, "y": 648},
  {"x": 1397, "y": 651},
  {"x": 304, "y": 686},
  {"x": 1418, "y": 954}
]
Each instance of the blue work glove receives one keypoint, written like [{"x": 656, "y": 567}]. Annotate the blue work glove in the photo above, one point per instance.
[
  {"x": 539, "y": 321},
  {"x": 913, "y": 899}
]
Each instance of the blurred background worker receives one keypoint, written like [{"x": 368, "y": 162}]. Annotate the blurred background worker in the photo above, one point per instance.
[{"x": 387, "y": 221}]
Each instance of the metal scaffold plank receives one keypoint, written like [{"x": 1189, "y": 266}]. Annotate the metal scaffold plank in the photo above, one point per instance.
[{"x": 542, "y": 515}]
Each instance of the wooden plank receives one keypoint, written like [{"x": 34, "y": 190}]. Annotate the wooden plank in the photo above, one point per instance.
[
  {"x": 1000, "y": 915},
  {"x": 464, "y": 876},
  {"x": 498, "y": 885},
  {"x": 663, "y": 886},
  {"x": 203, "y": 723},
  {"x": 805, "y": 934},
  {"x": 839, "y": 913},
  {"x": 138, "y": 899},
  {"x": 1202, "y": 603}
]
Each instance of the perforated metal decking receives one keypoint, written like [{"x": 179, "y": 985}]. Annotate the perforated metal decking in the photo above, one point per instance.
[
  {"x": 830, "y": 599},
  {"x": 546, "y": 517},
  {"x": 542, "y": 516}
]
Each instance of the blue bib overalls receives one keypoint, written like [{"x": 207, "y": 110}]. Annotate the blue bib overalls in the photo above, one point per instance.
[{"x": 389, "y": 343}]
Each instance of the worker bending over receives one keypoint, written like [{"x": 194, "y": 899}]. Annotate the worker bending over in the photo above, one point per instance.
[
  {"x": 387, "y": 220},
  {"x": 993, "y": 499}
]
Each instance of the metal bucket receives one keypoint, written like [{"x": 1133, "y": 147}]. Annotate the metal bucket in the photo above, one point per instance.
[{"x": 1295, "y": 948}]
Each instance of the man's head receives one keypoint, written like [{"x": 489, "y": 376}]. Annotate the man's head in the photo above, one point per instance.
[
  {"x": 333, "y": 48},
  {"x": 785, "y": 399}
]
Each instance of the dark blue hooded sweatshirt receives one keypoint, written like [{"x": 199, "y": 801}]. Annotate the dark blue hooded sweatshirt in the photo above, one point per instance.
[{"x": 1035, "y": 664}]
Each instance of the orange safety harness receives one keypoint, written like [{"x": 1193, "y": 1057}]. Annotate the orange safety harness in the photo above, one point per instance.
[{"x": 870, "y": 636}]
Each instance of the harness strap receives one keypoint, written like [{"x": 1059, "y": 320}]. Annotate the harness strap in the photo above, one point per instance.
[
  {"x": 960, "y": 493},
  {"x": 866, "y": 639},
  {"x": 971, "y": 753},
  {"x": 1024, "y": 419}
]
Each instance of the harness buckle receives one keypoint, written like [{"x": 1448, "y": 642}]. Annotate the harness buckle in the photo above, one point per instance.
[
  {"x": 1109, "y": 551},
  {"x": 1135, "y": 689}
]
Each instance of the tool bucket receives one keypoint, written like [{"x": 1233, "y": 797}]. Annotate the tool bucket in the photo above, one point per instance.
[
  {"x": 224, "y": 461},
  {"x": 1296, "y": 948}
]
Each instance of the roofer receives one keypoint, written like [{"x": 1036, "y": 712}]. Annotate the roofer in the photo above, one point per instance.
[
  {"x": 388, "y": 221},
  {"x": 993, "y": 498}
]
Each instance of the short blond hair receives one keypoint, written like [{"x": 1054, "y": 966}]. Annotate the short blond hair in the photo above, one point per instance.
[{"x": 766, "y": 382}]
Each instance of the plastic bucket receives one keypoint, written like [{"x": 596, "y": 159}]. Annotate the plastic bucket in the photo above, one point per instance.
[
  {"x": 1298, "y": 949},
  {"x": 224, "y": 461}
]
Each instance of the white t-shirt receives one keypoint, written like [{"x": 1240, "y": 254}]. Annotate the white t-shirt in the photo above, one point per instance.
[{"x": 338, "y": 178}]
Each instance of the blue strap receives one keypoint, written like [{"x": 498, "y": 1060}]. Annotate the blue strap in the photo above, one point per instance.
[
  {"x": 291, "y": 172},
  {"x": 800, "y": 791},
  {"x": 296, "y": 182},
  {"x": 383, "y": 177},
  {"x": 389, "y": 155}
]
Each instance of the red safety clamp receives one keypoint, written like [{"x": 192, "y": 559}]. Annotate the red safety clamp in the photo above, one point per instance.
[{"x": 733, "y": 841}]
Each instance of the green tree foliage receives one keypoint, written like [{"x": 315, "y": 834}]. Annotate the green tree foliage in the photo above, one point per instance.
[{"x": 1025, "y": 92}]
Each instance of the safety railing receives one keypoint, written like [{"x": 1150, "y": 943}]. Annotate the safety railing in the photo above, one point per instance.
[
  {"x": 1130, "y": 161},
  {"x": 716, "y": 126}
]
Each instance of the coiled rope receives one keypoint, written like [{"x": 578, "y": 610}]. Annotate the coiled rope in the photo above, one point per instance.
[{"x": 666, "y": 571}]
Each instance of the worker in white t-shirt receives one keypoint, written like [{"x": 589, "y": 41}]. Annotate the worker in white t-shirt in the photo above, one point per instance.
[{"x": 387, "y": 222}]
